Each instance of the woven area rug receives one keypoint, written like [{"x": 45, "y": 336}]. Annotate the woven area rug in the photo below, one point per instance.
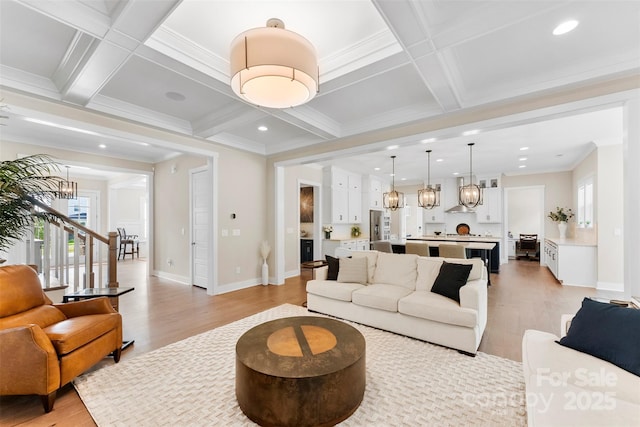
[{"x": 409, "y": 383}]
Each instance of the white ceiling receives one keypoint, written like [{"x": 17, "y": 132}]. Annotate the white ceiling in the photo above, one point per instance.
[{"x": 383, "y": 63}]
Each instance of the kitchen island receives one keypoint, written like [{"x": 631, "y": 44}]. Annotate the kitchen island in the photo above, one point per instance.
[{"x": 494, "y": 253}]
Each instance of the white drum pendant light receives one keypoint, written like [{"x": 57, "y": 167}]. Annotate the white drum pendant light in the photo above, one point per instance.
[{"x": 273, "y": 67}]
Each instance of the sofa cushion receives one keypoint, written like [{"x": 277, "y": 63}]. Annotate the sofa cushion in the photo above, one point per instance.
[
  {"x": 427, "y": 269},
  {"x": 477, "y": 271},
  {"x": 608, "y": 332},
  {"x": 380, "y": 296},
  {"x": 431, "y": 306},
  {"x": 42, "y": 316},
  {"x": 353, "y": 270},
  {"x": 332, "y": 289},
  {"x": 16, "y": 299},
  {"x": 70, "y": 334},
  {"x": 372, "y": 259},
  {"x": 396, "y": 269},
  {"x": 333, "y": 265},
  {"x": 450, "y": 279}
]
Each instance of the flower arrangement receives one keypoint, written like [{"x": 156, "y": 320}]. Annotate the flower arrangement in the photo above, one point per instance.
[
  {"x": 265, "y": 250},
  {"x": 327, "y": 228},
  {"x": 355, "y": 231},
  {"x": 560, "y": 215}
]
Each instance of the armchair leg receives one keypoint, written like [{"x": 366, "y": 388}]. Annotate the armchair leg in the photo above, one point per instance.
[
  {"x": 116, "y": 354},
  {"x": 47, "y": 401}
]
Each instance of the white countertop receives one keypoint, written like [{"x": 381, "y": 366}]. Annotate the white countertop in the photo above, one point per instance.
[
  {"x": 571, "y": 242},
  {"x": 342, "y": 239},
  {"x": 463, "y": 238}
]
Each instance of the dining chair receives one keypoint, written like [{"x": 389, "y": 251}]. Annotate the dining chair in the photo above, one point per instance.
[
  {"x": 452, "y": 251},
  {"x": 382, "y": 246},
  {"x": 418, "y": 248},
  {"x": 127, "y": 239}
]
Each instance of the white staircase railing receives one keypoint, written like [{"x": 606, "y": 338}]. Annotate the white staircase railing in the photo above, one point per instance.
[{"x": 68, "y": 253}]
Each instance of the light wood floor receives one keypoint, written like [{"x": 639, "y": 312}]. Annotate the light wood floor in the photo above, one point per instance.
[{"x": 159, "y": 312}]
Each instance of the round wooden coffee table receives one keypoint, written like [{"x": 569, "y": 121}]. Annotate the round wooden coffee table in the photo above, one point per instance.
[{"x": 300, "y": 371}]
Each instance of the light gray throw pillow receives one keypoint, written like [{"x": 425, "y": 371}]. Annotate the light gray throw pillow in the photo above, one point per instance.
[{"x": 353, "y": 270}]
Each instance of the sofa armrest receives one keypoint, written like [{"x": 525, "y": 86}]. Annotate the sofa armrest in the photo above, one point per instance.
[
  {"x": 321, "y": 273},
  {"x": 473, "y": 295},
  {"x": 28, "y": 362},
  {"x": 100, "y": 305}
]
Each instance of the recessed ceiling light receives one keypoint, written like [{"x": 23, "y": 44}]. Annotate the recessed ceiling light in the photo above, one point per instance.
[
  {"x": 439, "y": 160},
  {"x": 403, "y": 179},
  {"x": 144, "y": 144},
  {"x": 522, "y": 159},
  {"x": 392, "y": 147},
  {"x": 376, "y": 169},
  {"x": 470, "y": 132},
  {"x": 175, "y": 96},
  {"x": 524, "y": 148},
  {"x": 565, "y": 27},
  {"x": 456, "y": 173},
  {"x": 263, "y": 128},
  {"x": 102, "y": 146},
  {"x": 522, "y": 166},
  {"x": 428, "y": 140}
]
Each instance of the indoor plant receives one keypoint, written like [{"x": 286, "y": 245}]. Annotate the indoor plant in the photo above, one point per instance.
[
  {"x": 22, "y": 181},
  {"x": 561, "y": 216},
  {"x": 327, "y": 231},
  {"x": 355, "y": 231}
]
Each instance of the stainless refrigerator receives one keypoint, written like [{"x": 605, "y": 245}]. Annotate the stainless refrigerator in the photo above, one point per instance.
[{"x": 379, "y": 226}]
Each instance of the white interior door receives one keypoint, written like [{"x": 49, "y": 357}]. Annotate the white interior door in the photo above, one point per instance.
[{"x": 199, "y": 227}]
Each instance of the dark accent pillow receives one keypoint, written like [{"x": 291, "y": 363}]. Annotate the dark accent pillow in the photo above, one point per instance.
[
  {"x": 334, "y": 267},
  {"x": 608, "y": 332},
  {"x": 450, "y": 279}
]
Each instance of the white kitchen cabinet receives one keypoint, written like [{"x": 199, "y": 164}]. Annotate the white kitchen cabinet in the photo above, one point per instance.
[
  {"x": 511, "y": 249},
  {"x": 490, "y": 212},
  {"x": 342, "y": 196},
  {"x": 375, "y": 193},
  {"x": 329, "y": 246},
  {"x": 437, "y": 214},
  {"x": 572, "y": 263},
  {"x": 354, "y": 202}
]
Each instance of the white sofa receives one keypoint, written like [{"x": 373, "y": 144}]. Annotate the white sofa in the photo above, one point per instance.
[
  {"x": 397, "y": 297},
  {"x": 565, "y": 387}
]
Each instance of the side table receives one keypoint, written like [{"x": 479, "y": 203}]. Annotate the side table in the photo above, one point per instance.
[
  {"x": 312, "y": 265},
  {"x": 112, "y": 293}
]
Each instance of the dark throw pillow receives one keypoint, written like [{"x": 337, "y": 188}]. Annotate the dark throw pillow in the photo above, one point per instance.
[
  {"x": 334, "y": 267},
  {"x": 608, "y": 332},
  {"x": 450, "y": 279}
]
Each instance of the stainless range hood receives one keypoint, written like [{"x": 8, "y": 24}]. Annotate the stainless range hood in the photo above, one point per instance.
[{"x": 460, "y": 208}]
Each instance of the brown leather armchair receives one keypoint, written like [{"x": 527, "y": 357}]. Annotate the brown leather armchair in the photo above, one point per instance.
[{"x": 44, "y": 346}]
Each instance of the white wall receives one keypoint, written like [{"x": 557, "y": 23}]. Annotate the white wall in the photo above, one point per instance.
[
  {"x": 524, "y": 211},
  {"x": 609, "y": 218}
]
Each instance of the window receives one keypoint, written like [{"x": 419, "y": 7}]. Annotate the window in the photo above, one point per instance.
[{"x": 585, "y": 203}]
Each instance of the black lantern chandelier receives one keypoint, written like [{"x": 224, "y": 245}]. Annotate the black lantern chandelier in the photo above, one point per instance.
[
  {"x": 393, "y": 199},
  {"x": 429, "y": 197},
  {"x": 470, "y": 195},
  {"x": 67, "y": 189}
]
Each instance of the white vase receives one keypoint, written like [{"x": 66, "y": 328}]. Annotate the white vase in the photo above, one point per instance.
[
  {"x": 265, "y": 273},
  {"x": 562, "y": 228}
]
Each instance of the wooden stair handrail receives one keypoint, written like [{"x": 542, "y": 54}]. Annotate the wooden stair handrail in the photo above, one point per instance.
[
  {"x": 110, "y": 241},
  {"x": 67, "y": 220}
]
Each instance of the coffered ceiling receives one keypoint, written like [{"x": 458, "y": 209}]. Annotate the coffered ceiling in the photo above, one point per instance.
[{"x": 383, "y": 64}]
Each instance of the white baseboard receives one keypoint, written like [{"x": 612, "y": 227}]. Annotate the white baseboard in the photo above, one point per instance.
[
  {"x": 610, "y": 286},
  {"x": 291, "y": 273},
  {"x": 173, "y": 277},
  {"x": 236, "y": 286}
]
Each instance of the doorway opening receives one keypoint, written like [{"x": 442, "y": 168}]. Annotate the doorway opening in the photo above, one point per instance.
[
  {"x": 525, "y": 214},
  {"x": 310, "y": 221}
]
